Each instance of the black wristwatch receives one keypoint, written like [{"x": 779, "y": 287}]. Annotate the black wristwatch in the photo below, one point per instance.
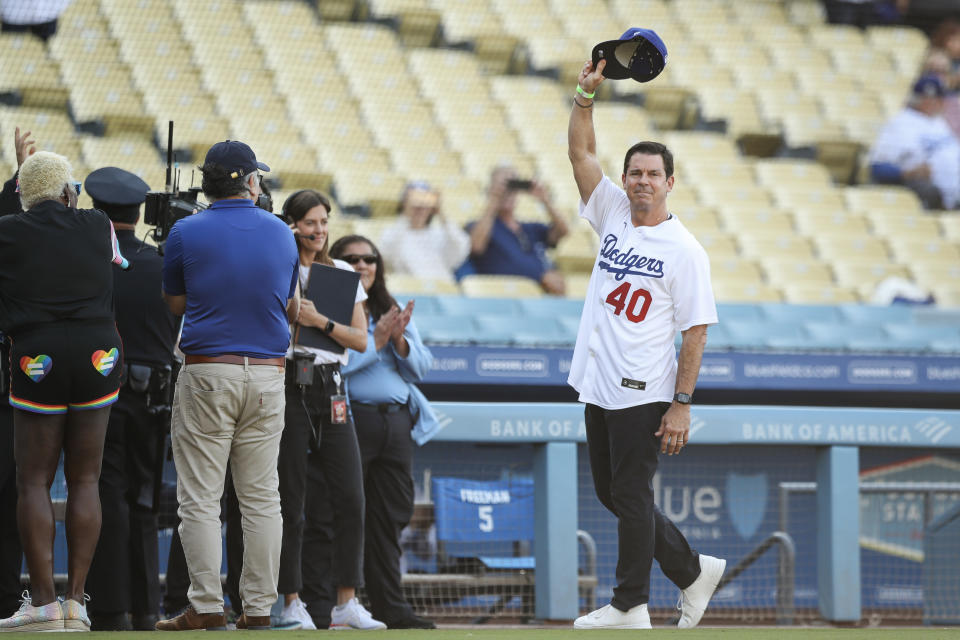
[
  {"x": 329, "y": 328},
  {"x": 683, "y": 398}
]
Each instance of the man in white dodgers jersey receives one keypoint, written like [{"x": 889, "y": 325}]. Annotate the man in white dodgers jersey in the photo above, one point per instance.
[{"x": 651, "y": 279}]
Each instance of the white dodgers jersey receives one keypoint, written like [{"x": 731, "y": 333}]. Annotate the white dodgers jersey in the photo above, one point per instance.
[{"x": 648, "y": 283}]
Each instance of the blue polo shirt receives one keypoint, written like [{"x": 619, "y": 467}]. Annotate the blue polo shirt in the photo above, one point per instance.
[
  {"x": 511, "y": 254},
  {"x": 237, "y": 264}
]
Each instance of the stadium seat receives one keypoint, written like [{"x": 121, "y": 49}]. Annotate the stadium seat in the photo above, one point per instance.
[
  {"x": 757, "y": 335},
  {"x": 792, "y": 313},
  {"x": 487, "y": 286},
  {"x": 466, "y": 306},
  {"x": 815, "y": 293},
  {"x": 415, "y": 285},
  {"x": 447, "y": 329},
  {"x": 837, "y": 335}
]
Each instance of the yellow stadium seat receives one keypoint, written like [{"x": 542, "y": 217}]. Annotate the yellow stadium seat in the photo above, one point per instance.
[
  {"x": 746, "y": 271},
  {"x": 28, "y": 71},
  {"x": 863, "y": 275},
  {"x": 804, "y": 173},
  {"x": 777, "y": 246},
  {"x": 410, "y": 285},
  {"x": 808, "y": 197},
  {"x": 488, "y": 286},
  {"x": 697, "y": 219},
  {"x": 719, "y": 245},
  {"x": 935, "y": 272},
  {"x": 820, "y": 294},
  {"x": 908, "y": 227},
  {"x": 866, "y": 247},
  {"x": 872, "y": 200},
  {"x": 950, "y": 223},
  {"x": 736, "y": 291},
  {"x": 814, "y": 220},
  {"x": 785, "y": 271},
  {"x": 908, "y": 250},
  {"x": 756, "y": 220},
  {"x": 806, "y": 12},
  {"x": 734, "y": 194},
  {"x": 947, "y": 295},
  {"x": 576, "y": 285}
]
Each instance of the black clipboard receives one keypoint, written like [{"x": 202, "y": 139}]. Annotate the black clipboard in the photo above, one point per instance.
[{"x": 333, "y": 292}]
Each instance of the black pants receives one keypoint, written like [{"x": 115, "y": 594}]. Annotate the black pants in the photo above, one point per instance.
[
  {"x": 337, "y": 465},
  {"x": 124, "y": 574},
  {"x": 623, "y": 459},
  {"x": 386, "y": 452},
  {"x": 11, "y": 552}
]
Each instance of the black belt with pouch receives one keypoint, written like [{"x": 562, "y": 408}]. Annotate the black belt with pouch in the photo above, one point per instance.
[{"x": 155, "y": 381}]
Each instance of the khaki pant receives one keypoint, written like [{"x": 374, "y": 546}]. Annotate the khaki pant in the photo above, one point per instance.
[{"x": 229, "y": 413}]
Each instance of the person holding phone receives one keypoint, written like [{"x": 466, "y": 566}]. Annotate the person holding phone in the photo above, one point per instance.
[
  {"x": 502, "y": 245},
  {"x": 423, "y": 242}
]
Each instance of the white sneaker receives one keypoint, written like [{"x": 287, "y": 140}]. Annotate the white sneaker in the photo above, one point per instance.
[
  {"x": 297, "y": 610},
  {"x": 694, "y": 599},
  {"x": 353, "y": 615},
  {"x": 609, "y": 617}
]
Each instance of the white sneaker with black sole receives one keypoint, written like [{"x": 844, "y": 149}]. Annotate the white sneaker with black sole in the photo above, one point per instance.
[
  {"x": 695, "y": 598},
  {"x": 353, "y": 615},
  {"x": 609, "y": 617},
  {"x": 297, "y": 610}
]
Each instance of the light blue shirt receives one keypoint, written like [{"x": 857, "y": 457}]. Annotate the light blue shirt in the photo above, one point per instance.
[{"x": 378, "y": 377}]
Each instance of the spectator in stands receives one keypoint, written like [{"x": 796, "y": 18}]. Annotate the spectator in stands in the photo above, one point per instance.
[
  {"x": 315, "y": 437},
  {"x": 917, "y": 149},
  {"x": 502, "y": 245},
  {"x": 938, "y": 63},
  {"x": 390, "y": 414},
  {"x": 58, "y": 326},
  {"x": 38, "y": 17},
  {"x": 422, "y": 242},
  {"x": 863, "y": 13}
]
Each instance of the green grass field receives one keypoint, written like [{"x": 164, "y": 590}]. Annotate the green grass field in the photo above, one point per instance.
[{"x": 461, "y": 633}]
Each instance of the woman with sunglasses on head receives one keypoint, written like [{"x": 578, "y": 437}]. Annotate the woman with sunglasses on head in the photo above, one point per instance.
[
  {"x": 390, "y": 414},
  {"x": 333, "y": 457},
  {"x": 56, "y": 296}
]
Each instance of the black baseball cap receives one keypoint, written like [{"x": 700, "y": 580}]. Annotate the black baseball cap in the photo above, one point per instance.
[
  {"x": 639, "y": 54},
  {"x": 234, "y": 156}
]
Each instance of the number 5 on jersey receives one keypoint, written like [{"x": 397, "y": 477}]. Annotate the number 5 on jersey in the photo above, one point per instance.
[{"x": 618, "y": 299}]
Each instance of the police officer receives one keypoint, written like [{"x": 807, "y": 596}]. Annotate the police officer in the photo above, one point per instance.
[{"x": 124, "y": 576}]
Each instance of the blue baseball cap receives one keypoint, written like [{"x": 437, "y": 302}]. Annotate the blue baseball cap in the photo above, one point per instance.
[
  {"x": 929, "y": 86},
  {"x": 639, "y": 54},
  {"x": 234, "y": 156}
]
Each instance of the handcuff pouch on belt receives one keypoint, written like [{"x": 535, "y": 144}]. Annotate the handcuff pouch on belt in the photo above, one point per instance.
[{"x": 154, "y": 381}]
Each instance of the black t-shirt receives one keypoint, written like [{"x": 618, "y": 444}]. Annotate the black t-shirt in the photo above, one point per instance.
[
  {"x": 55, "y": 264},
  {"x": 148, "y": 329}
]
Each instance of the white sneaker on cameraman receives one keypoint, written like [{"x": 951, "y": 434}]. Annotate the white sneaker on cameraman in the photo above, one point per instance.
[
  {"x": 296, "y": 610},
  {"x": 695, "y": 598},
  {"x": 609, "y": 617},
  {"x": 353, "y": 615}
]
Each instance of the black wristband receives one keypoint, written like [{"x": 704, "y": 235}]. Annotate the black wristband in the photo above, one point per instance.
[{"x": 329, "y": 328}]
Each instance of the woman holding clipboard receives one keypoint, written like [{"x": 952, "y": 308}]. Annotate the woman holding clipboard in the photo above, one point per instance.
[{"x": 318, "y": 434}]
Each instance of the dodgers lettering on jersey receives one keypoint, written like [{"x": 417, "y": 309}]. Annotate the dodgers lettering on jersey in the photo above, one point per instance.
[{"x": 648, "y": 283}]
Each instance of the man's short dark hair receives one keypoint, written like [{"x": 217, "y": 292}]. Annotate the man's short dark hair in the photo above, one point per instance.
[
  {"x": 649, "y": 148},
  {"x": 217, "y": 183}
]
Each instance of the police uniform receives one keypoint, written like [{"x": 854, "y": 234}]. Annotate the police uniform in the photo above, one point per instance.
[
  {"x": 124, "y": 576},
  {"x": 11, "y": 552}
]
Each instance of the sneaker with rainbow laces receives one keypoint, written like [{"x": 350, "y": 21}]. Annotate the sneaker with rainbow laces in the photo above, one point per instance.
[
  {"x": 75, "y": 616},
  {"x": 48, "y": 617}
]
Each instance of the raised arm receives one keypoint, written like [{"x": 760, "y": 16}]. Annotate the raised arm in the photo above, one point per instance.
[{"x": 581, "y": 140}]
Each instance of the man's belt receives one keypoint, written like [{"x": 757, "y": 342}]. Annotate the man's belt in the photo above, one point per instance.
[{"x": 231, "y": 358}]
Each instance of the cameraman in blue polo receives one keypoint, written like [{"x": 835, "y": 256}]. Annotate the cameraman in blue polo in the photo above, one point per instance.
[{"x": 231, "y": 271}]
